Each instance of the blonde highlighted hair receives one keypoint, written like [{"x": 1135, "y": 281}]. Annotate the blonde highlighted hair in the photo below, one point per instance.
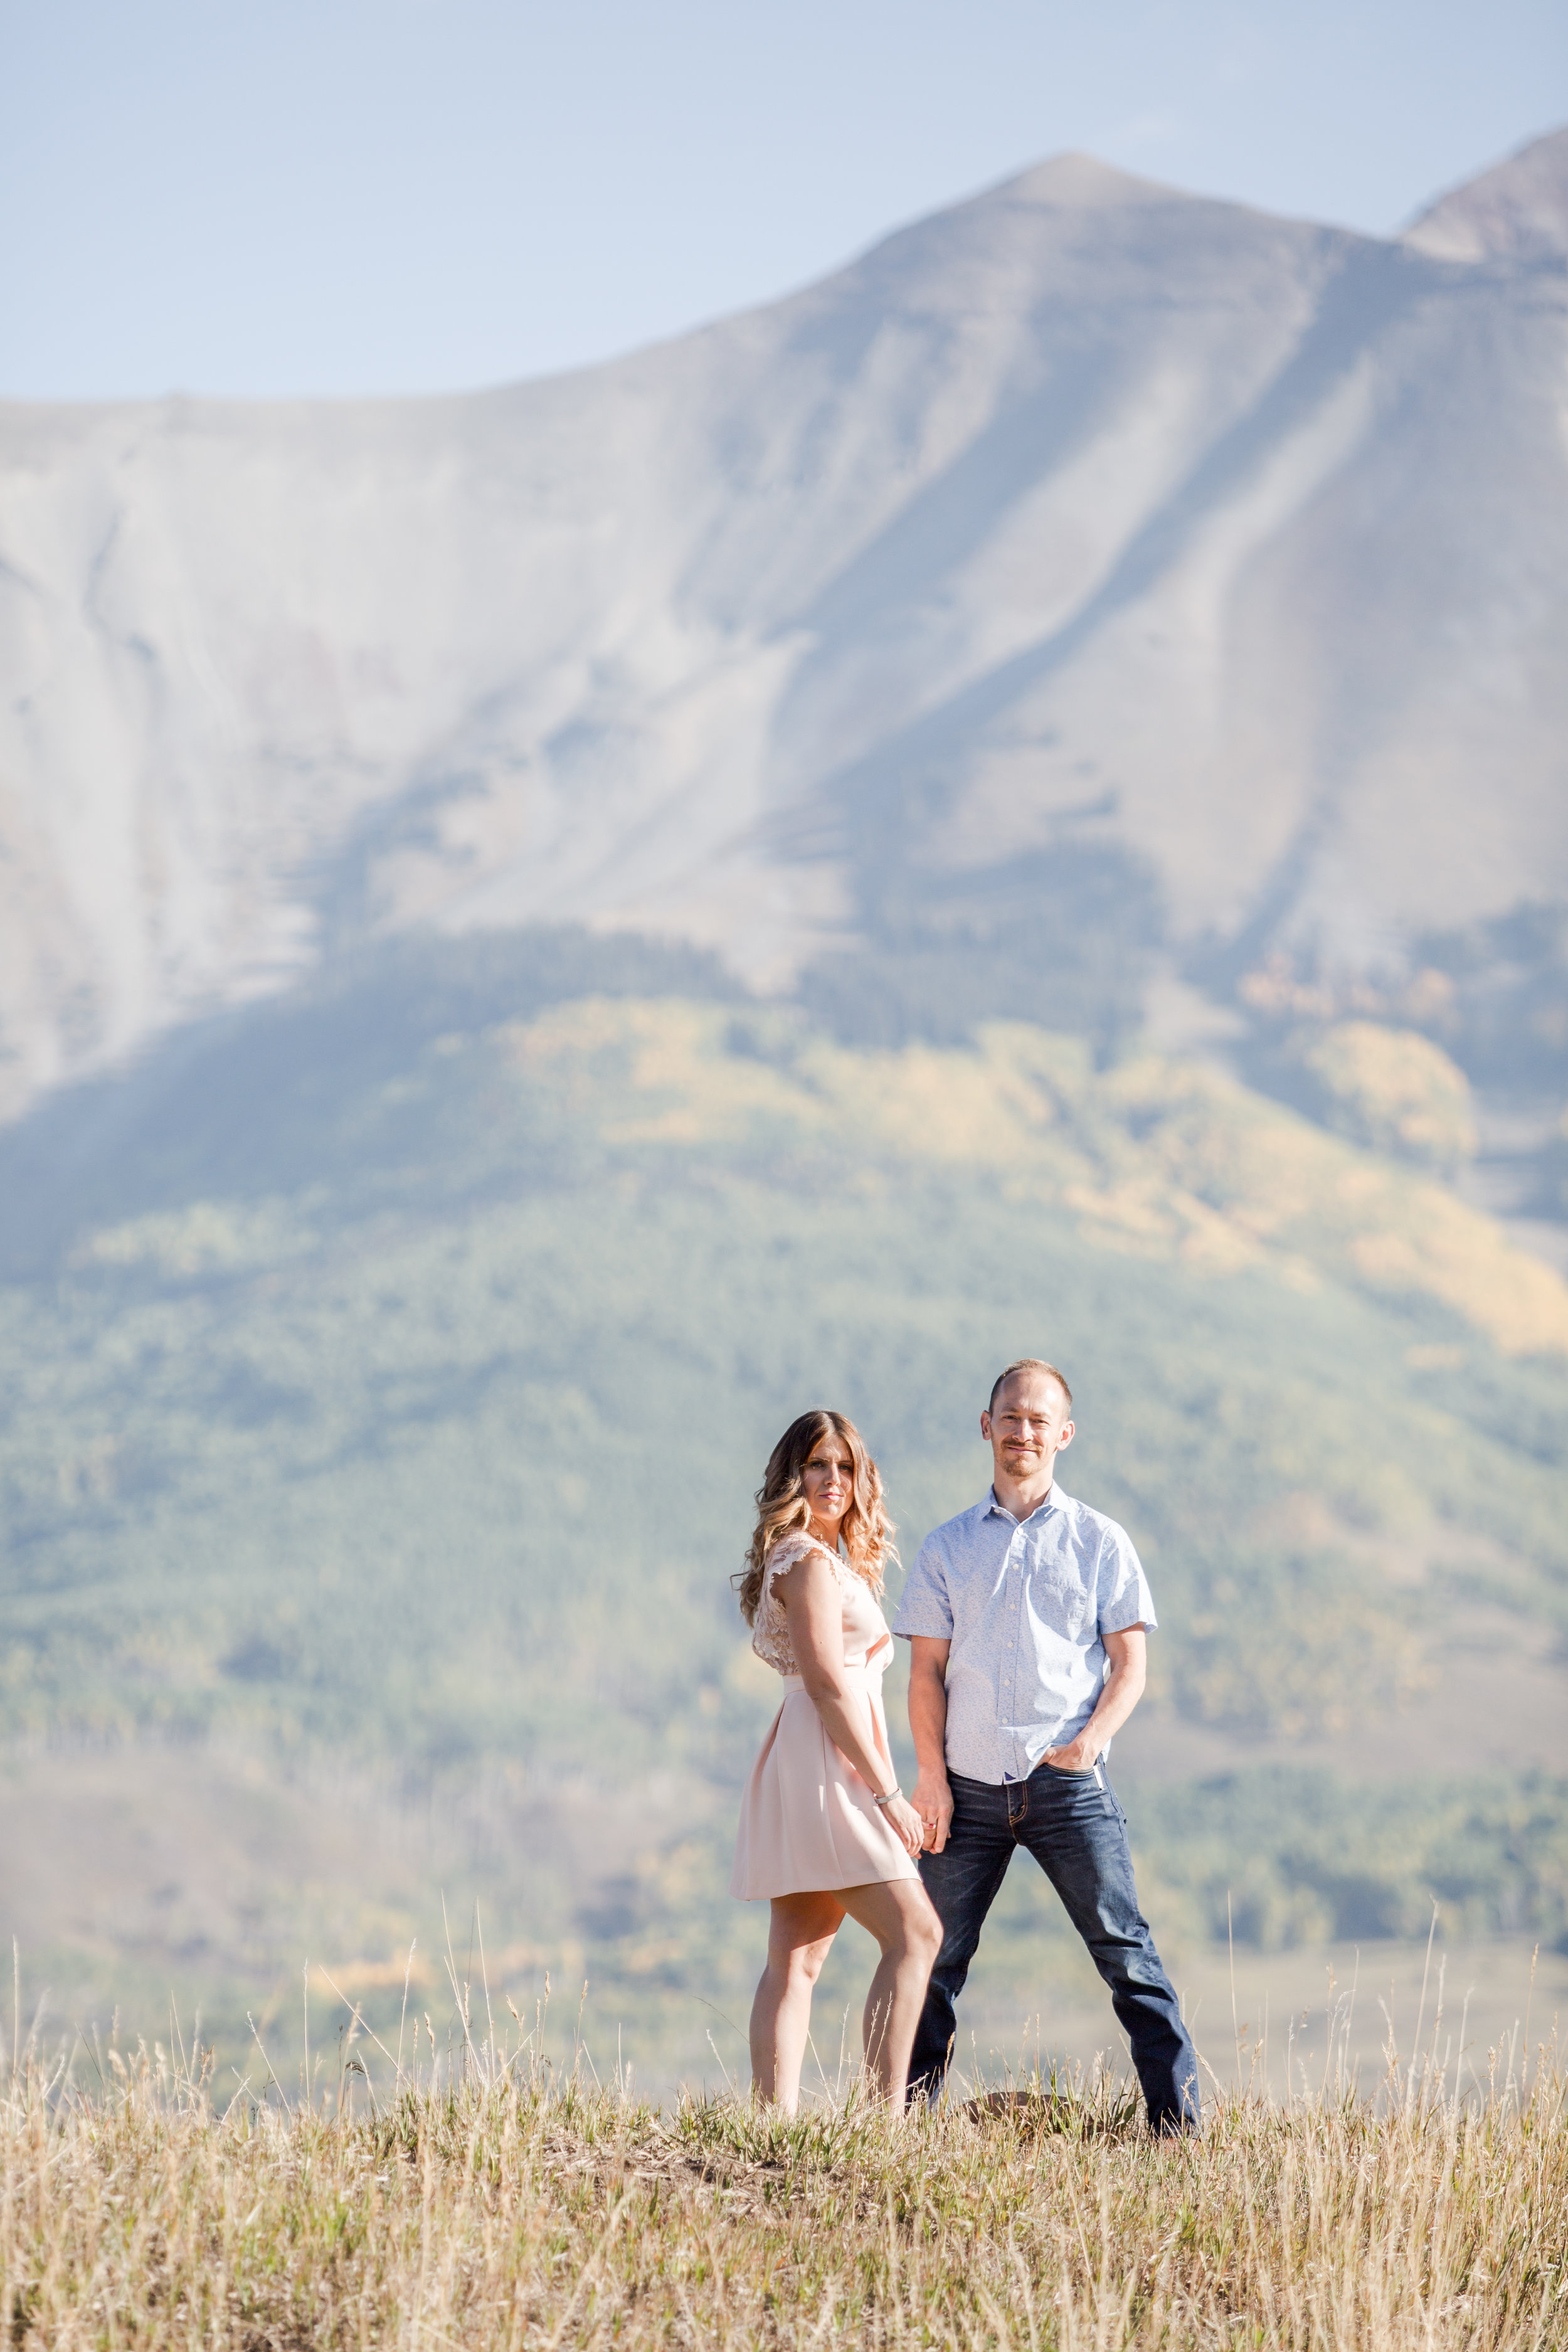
[{"x": 782, "y": 1506}]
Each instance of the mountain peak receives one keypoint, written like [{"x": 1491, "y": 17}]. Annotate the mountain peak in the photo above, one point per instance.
[
  {"x": 1516, "y": 212},
  {"x": 1089, "y": 528},
  {"x": 1083, "y": 182}
]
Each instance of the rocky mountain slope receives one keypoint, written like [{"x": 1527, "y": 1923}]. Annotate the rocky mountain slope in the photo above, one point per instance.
[{"x": 1089, "y": 563}]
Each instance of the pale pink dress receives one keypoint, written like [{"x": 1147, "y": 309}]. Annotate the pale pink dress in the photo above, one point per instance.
[{"x": 807, "y": 1820}]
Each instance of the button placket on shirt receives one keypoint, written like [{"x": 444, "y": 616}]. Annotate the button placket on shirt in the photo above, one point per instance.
[
  {"x": 1017, "y": 1554},
  {"x": 1028, "y": 1558}
]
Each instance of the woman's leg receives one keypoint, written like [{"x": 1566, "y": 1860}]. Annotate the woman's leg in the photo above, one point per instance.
[
  {"x": 903, "y": 1917},
  {"x": 800, "y": 1935}
]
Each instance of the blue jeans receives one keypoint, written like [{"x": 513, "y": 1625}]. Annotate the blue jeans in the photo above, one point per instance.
[{"x": 1076, "y": 1831}]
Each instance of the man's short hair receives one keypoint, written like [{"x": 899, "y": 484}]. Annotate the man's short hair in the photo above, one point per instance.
[{"x": 1029, "y": 1364}]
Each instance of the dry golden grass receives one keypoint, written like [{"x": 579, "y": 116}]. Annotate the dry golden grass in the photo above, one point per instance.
[{"x": 506, "y": 2205}]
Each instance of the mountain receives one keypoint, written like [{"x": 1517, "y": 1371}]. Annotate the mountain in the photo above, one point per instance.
[
  {"x": 389, "y": 1370},
  {"x": 1517, "y": 212},
  {"x": 1089, "y": 571},
  {"x": 1009, "y": 803}
]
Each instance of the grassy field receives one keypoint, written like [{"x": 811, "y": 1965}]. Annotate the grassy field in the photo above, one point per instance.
[
  {"x": 387, "y": 1379},
  {"x": 488, "y": 2198}
]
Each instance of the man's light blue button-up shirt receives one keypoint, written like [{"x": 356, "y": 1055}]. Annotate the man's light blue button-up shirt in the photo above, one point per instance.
[{"x": 1023, "y": 1604}]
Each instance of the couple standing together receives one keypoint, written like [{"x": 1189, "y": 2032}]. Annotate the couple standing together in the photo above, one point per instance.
[{"x": 1026, "y": 1618}]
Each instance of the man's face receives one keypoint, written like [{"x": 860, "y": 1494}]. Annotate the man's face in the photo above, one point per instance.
[{"x": 1028, "y": 1427}]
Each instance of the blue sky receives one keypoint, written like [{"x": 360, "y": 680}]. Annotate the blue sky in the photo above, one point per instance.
[{"x": 341, "y": 197}]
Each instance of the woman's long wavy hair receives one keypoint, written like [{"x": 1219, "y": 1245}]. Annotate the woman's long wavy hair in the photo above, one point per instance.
[{"x": 782, "y": 1506}]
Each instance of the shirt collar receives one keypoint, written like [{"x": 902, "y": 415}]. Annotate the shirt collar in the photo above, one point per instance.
[{"x": 1052, "y": 1500}]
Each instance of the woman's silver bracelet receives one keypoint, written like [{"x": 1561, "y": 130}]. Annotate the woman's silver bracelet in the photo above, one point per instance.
[{"x": 894, "y": 1791}]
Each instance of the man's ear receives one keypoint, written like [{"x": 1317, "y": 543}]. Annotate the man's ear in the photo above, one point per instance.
[
  {"x": 985, "y": 1427},
  {"x": 1066, "y": 1438}
]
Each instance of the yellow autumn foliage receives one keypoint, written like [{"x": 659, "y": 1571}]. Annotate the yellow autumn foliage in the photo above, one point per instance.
[{"x": 1155, "y": 1157}]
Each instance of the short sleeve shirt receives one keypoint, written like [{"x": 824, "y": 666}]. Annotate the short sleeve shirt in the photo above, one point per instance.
[{"x": 1024, "y": 1605}]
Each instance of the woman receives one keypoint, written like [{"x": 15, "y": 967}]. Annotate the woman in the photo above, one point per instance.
[{"x": 825, "y": 1829}]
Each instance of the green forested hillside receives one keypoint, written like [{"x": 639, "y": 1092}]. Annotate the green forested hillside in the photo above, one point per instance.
[{"x": 389, "y": 1410}]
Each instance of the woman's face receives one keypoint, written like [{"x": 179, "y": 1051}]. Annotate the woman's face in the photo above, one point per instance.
[{"x": 829, "y": 1481}]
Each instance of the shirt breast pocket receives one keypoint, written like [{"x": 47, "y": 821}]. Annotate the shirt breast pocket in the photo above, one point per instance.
[{"x": 1062, "y": 1604}]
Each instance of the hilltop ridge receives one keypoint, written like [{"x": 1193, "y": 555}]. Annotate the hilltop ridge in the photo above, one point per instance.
[{"x": 1518, "y": 211}]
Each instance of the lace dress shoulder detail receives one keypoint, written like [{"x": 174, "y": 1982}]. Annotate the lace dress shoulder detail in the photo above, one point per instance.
[{"x": 770, "y": 1632}]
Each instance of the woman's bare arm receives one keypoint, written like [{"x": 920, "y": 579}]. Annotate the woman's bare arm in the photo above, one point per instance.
[{"x": 813, "y": 1612}]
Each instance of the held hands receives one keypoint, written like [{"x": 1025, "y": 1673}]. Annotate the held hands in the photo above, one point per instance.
[
  {"x": 905, "y": 1824},
  {"x": 933, "y": 1806}
]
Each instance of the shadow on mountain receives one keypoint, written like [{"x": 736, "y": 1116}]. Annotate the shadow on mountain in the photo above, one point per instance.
[
  {"x": 1505, "y": 1022},
  {"x": 1492, "y": 1000},
  {"x": 308, "y": 1090},
  {"x": 1063, "y": 938}
]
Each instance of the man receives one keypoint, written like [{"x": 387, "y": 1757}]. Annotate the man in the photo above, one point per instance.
[{"x": 1026, "y": 1616}]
